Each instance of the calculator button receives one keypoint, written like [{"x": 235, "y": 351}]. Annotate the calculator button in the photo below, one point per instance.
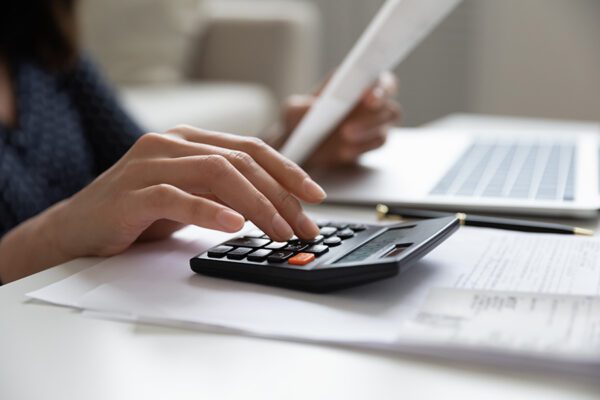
[
  {"x": 276, "y": 245},
  {"x": 322, "y": 223},
  {"x": 248, "y": 242},
  {"x": 316, "y": 240},
  {"x": 317, "y": 249},
  {"x": 259, "y": 255},
  {"x": 357, "y": 227},
  {"x": 219, "y": 251},
  {"x": 296, "y": 247},
  {"x": 257, "y": 234},
  {"x": 301, "y": 259},
  {"x": 239, "y": 253},
  {"x": 294, "y": 239},
  {"x": 333, "y": 241},
  {"x": 345, "y": 234},
  {"x": 279, "y": 256},
  {"x": 328, "y": 231},
  {"x": 339, "y": 225}
]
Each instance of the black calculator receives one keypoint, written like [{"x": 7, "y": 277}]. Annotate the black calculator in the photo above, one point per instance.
[{"x": 341, "y": 256}]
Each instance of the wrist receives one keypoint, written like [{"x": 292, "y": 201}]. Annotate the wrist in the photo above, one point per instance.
[
  {"x": 32, "y": 246},
  {"x": 53, "y": 230}
]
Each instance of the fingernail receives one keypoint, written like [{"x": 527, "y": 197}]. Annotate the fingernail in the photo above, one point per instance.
[
  {"x": 230, "y": 220},
  {"x": 377, "y": 97},
  {"x": 308, "y": 229},
  {"x": 281, "y": 228},
  {"x": 378, "y": 92},
  {"x": 313, "y": 190}
]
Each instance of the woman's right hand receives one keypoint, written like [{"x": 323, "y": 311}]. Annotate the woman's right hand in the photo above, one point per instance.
[{"x": 187, "y": 176}]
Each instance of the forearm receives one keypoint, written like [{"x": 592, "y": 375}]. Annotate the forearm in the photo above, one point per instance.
[{"x": 31, "y": 246}]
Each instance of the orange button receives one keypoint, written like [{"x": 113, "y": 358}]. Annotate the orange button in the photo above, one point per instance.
[{"x": 301, "y": 259}]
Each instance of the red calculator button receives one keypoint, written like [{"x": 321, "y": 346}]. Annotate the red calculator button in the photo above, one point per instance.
[{"x": 301, "y": 259}]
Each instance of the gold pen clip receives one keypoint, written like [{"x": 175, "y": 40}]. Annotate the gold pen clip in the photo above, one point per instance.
[{"x": 382, "y": 213}]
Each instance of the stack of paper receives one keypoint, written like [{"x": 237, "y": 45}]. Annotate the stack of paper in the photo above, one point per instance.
[{"x": 493, "y": 282}]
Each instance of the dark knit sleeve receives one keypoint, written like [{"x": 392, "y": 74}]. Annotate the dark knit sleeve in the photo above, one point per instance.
[{"x": 110, "y": 130}]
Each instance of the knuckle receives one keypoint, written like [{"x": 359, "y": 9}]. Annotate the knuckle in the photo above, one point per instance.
[
  {"x": 215, "y": 165},
  {"x": 195, "y": 209},
  {"x": 160, "y": 195},
  {"x": 149, "y": 139},
  {"x": 150, "y": 142},
  {"x": 263, "y": 207},
  {"x": 287, "y": 201},
  {"x": 255, "y": 144},
  {"x": 241, "y": 158},
  {"x": 180, "y": 128}
]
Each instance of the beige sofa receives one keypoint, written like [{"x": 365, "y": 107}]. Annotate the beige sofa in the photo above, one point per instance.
[{"x": 226, "y": 67}]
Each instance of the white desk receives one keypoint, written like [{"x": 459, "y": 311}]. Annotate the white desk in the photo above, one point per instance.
[{"x": 49, "y": 352}]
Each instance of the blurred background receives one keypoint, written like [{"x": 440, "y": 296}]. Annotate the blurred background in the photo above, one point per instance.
[{"x": 227, "y": 64}]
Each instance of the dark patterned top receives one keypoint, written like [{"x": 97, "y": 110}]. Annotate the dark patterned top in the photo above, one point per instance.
[{"x": 70, "y": 128}]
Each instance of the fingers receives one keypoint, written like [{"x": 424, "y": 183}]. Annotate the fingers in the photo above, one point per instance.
[
  {"x": 386, "y": 87},
  {"x": 365, "y": 125},
  {"x": 288, "y": 174},
  {"x": 168, "y": 202},
  {"x": 237, "y": 181},
  {"x": 350, "y": 154}
]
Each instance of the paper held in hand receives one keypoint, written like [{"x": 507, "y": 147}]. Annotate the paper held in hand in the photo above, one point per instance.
[{"x": 395, "y": 31}]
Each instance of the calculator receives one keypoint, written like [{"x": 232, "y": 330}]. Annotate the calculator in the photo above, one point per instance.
[{"x": 343, "y": 255}]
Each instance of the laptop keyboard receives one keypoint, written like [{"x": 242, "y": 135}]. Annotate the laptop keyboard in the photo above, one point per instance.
[{"x": 513, "y": 170}]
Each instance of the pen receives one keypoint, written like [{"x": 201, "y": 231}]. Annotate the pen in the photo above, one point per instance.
[{"x": 385, "y": 212}]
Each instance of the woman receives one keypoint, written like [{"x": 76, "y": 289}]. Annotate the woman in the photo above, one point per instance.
[{"x": 78, "y": 177}]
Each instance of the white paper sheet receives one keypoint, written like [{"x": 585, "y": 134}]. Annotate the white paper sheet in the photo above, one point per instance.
[
  {"x": 153, "y": 282},
  {"x": 548, "y": 324}
]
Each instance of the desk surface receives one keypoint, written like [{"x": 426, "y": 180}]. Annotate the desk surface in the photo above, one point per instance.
[{"x": 54, "y": 352}]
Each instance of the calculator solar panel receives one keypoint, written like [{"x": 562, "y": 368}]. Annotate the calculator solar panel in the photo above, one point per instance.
[{"x": 343, "y": 255}]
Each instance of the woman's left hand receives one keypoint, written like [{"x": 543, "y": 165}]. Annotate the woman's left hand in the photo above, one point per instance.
[{"x": 364, "y": 129}]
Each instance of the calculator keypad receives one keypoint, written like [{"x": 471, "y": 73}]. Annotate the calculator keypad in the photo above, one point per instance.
[
  {"x": 344, "y": 255},
  {"x": 255, "y": 246}
]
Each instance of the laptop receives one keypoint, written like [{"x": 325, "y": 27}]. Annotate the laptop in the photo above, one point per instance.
[{"x": 501, "y": 171}]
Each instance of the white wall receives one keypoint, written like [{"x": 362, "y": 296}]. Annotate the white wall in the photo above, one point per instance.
[
  {"x": 537, "y": 57},
  {"x": 524, "y": 57}
]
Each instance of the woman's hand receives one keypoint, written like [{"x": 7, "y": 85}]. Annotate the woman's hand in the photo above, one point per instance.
[
  {"x": 188, "y": 176},
  {"x": 364, "y": 129}
]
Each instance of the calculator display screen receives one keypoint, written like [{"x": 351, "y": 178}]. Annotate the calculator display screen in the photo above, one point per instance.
[{"x": 383, "y": 241}]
